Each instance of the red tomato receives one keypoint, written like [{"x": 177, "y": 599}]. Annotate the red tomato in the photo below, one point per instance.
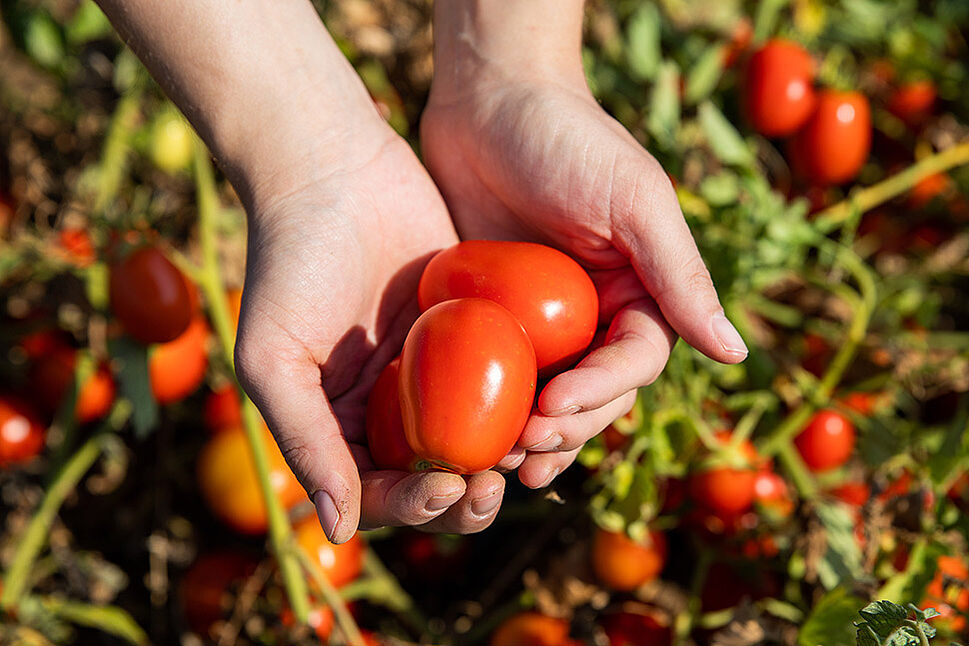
[
  {"x": 855, "y": 494},
  {"x": 531, "y": 629},
  {"x": 223, "y": 409},
  {"x": 637, "y": 625},
  {"x": 778, "y": 92},
  {"x": 727, "y": 491},
  {"x": 548, "y": 292},
  {"x": 913, "y": 102},
  {"x": 176, "y": 369},
  {"x": 205, "y": 587},
  {"x": 229, "y": 484},
  {"x": 78, "y": 246},
  {"x": 949, "y": 592},
  {"x": 150, "y": 296},
  {"x": 467, "y": 381},
  {"x": 771, "y": 494},
  {"x": 385, "y": 428},
  {"x": 21, "y": 435},
  {"x": 623, "y": 564},
  {"x": 340, "y": 564},
  {"x": 827, "y": 441},
  {"x": 833, "y": 146}
]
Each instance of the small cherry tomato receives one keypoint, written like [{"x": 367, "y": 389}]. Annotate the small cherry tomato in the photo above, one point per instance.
[
  {"x": 623, "y": 564},
  {"x": 833, "y": 145},
  {"x": 778, "y": 92},
  {"x": 467, "y": 381},
  {"x": 150, "y": 296},
  {"x": 223, "y": 409},
  {"x": 21, "y": 435},
  {"x": 637, "y": 625},
  {"x": 913, "y": 102},
  {"x": 948, "y": 593},
  {"x": 531, "y": 629},
  {"x": 205, "y": 588},
  {"x": 340, "y": 564},
  {"x": 727, "y": 490},
  {"x": 229, "y": 484},
  {"x": 52, "y": 375},
  {"x": 176, "y": 369},
  {"x": 385, "y": 429},
  {"x": 827, "y": 441},
  {"x": 549, "y": 293}
]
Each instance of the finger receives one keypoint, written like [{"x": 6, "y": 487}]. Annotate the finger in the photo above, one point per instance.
[
  {"x": 637, "y": 346},
  {"x": 567, "y": 432},
  {"x": 539, "y": 469},
  {"x": 476, "y": 510},
  {"x": 616, "y": 289},
  {"x": 397, "y": 498},
  {"x": 651, "y": 230},
  {"x": 511, "y": 461},
  {"x": 285, "y": 385}
]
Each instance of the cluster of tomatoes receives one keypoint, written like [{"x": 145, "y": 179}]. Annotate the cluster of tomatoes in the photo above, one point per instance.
[{"x": 497, "y": 317}]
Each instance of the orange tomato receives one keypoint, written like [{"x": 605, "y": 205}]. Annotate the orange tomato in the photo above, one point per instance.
[
  {"x": 623, "y": 564},
  {"x": 531, "y": 629},
  {"x": 52, "y": 374},
  {"x": 948, "y": 592},
  {"x": 229, "y": 484},
  {"x": 176, "y": 369},
  {"x": 340, "y": 564},
  {"x": 234, "y": 297}
]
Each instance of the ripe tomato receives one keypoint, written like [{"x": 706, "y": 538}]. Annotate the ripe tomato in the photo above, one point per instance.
[
  {"x": 176, "y": 369},
  {"x": 21, "y": 435},
  {"x": 855, "y": 494},
  {"x": 833, "y": 145},
  {"x": 78, "y": 246},
  {"x": 623, "y": 564},
  {"x": 827, "y": 441},
  {"x": 340, "y": 564},
  {"x": 913, "y": 102},
  {"x": 223, "y": 409},
  {"x": 727, "y": 491},
  {"x": 772, "y": 495},
  {"x": 467, "y": 381},
  {"x": 229, "y": 484},
  {"x": 637, "y": 625},
  {"x": 949, "y": 592},
  {"x": 548, "y": 292},
  {"x": 531, "y": 629},
  {"x": 150, "y": 296},
  {"x": 778, "y": 92},
  {"x": 205, "y": 586},
  {"x": 385, "y": 428}
]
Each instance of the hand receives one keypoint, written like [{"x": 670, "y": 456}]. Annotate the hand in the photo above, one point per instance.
[{"x": 531, "y": 156}]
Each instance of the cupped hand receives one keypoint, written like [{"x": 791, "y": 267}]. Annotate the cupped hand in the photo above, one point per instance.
[
  {"x": 334, "y": 259},
  {"x": 528, "y": 157}
]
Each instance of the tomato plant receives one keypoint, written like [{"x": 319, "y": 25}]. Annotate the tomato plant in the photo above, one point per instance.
[
  {"x": 150, "y": 296},
  {"x": 467, "y": 380},
  {"x": 778, "y": 88},
  {"x": 827, "y": 441},
  {"x": 913, "y": 102},
  {"x": 834, "y": 143},
  {"x": 637, "y": 625},
  {"x": 385, "y": 428}
]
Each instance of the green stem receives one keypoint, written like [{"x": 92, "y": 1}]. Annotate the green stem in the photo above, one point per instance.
[
  {"x": 114, "y": 157},
  {"x": 111, "y": 620},
  {"x": 210, "y": 280}
]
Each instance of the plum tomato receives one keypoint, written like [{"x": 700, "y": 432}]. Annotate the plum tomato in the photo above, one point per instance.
[
  {"x": 206, "y": 584},
  {"x": 467, "y": 381},
  {"x": 52, "y": 375},
  {"x": 833, "y": 145},
  {"x": 913, "y": 102},
  {"x": 385, "y": 428},
  {"x": 623, "y": 564},
  {"x": 223, "y": 409},
  {"x": 778, "y": 88},
  {"x": 532, "y": 629},
  {"x": 948, "y": 593},
  {"x": 340, "y": 564},
  {"x": 549, "y": 293},
  {"x": 150, "y": 297},
  {"x": 21, "y": 435},
  {"x": 637, "y": 625},
  {"x": 229, "y": 484},
  {"x": 727, "y": 489},
  {"x": 176, "y": 369},
  {"x": 827, "y": 441}
]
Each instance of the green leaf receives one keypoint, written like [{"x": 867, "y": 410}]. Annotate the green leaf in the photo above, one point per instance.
[
  {"x": 720, "y": 189},
  {"x": 664, "y": 105},
  {"x": 831, "y": 620},
  {"x": 724, "y": 140},
  {"x": 132, "y": 358},
  {"x": 643, "y": 52},
  {"x": 842, "y": 560},
  {"x": 703, "y": 77},
  {"x": 887, "y": 624},
  {"x": 88, "y": 23}
]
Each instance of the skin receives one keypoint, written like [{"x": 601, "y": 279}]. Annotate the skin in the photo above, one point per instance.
[{"x": 342, "y": 218}]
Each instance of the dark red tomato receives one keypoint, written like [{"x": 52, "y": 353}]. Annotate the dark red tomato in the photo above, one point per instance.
[
  {"x": 340, "y": 564},
  {"x": 52, "y": 375},
  {"x": 548, "y": 292},
  {"x": 637, "y": 625},
  {"x": 772, "y": 495},
  {"x": 385, "y": 427},
  {"x": 827, "y": 441},
  {"x": 532, "y": 629},
  {"x": 949, "y": 593},
  {"x": 727, "y": 490},
  {"x": 206, "y": 586},
  {"x": 833, "y": 145},
  {"x": 913, "y": 102},
  {"x": 855, "y": 494},
  {"x": 176, "y": 369},
  {"x": 467, "y": 381},
  {"x": 150, "y": 296},
  {"x": 223, "y": 409},
  {"x": 623, "y": 564},
  {"x": 778, "y": 92},
  {"x": 21, "y": 435}
]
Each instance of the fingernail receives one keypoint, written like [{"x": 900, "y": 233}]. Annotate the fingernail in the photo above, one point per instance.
[
  {"x": 327, "y": 513},
  {"x": 728, "y": 336},
  {"x": 553, "y": 441},
  {"x": 562, "y": 412},
  {"x": 550, "y": 475},
  {"x": 487, "y": 504},
  {"x": 438, "y": 503}
]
